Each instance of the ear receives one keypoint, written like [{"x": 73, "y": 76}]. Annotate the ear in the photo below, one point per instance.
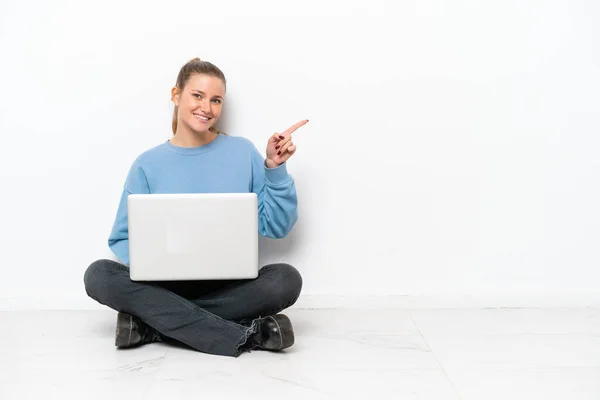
[{"x": 175, "y": 95}]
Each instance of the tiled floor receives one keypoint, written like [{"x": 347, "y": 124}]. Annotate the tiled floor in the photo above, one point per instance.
[{"x": 339, "y": 354}]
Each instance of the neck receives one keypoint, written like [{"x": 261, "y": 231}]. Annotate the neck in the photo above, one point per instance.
[{"x": 186, "y": 138}]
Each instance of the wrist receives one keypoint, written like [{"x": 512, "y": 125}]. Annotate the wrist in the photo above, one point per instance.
[{"x": 270, "y": 163}]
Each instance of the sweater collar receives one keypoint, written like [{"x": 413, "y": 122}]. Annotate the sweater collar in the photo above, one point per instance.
[{"x": 192, "y": 151}]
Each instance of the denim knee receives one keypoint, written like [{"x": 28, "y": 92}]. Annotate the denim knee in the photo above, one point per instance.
[
  {"x": 287, "y": 283},
  {"x": 96, "y": 277},
  {"x": 291, "y": 279}
]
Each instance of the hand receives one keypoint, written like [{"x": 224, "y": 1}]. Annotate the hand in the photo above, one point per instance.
[{"x": 280, "y": 146}]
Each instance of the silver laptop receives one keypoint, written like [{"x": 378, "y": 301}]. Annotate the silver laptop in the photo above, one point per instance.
[{"x": 193, "y": 236}]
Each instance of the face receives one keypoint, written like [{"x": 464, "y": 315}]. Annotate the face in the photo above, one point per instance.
[{"x": 199, "y": 102}]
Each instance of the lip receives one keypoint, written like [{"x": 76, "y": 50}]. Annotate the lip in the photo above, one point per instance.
[{"x": 196, "y": 115}]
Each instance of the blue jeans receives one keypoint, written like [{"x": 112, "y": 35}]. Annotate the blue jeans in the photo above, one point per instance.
[{"x": 214, "y": 317}]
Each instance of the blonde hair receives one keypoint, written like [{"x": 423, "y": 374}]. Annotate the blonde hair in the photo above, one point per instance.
[{"x": 196, "y": 66}]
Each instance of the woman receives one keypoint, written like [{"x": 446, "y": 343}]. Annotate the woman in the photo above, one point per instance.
[{"x": 216, "y": 317}]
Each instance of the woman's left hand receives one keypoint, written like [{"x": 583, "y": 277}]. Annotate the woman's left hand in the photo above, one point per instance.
[{"x": 280, "y": 146}]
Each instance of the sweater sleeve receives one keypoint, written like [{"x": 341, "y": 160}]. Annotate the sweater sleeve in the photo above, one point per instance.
[
  {"x": 277, "y": 201},
  {"x": 118, "y": 240}
]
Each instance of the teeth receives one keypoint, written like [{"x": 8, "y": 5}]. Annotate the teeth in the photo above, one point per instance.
[{"x": 201, "y": 117}]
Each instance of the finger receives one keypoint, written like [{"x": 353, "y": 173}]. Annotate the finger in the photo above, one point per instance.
[
  {"x": 284, "y": 148},
  {"x": 284, "y": 156},
  {"x": 297, "y": 125},
  {"x": 290, "y": 152},
  {"x": 275, "y": 138},
  {"x": 283, "y": 142}
]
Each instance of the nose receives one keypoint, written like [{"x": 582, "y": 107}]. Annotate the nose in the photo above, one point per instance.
[{"x": 205, "y": 106}]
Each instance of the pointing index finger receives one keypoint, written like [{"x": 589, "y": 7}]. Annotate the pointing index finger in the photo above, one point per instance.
[{"x": 291, "y": 129}]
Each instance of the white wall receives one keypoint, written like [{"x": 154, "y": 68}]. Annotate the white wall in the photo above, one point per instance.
[{"x": 453, "y": 148}]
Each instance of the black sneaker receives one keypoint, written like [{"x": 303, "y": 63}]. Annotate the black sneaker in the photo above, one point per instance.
[
  {"x": 273, "y": 333},
  {"x": 132, "y": 332}
]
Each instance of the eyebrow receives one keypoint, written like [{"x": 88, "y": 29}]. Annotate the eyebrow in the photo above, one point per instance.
[{"x": 200, "y": 91}]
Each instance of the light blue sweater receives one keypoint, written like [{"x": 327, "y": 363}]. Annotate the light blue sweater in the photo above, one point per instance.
[{"x": 228, "y": 164}]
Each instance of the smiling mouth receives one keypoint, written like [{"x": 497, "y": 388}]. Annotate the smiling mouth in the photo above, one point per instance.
[{"x": 201, "y": 117}]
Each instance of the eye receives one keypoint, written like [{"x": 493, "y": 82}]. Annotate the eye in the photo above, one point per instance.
[
  {"x": 217, "y": 101},
  {"x": 196, "y": 95}
]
